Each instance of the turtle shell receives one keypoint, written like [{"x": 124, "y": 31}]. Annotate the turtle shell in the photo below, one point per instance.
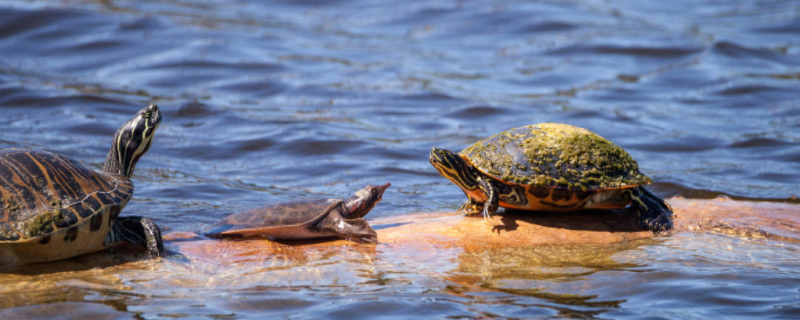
[
  {"x": 553, "y": 155},
  {"x": 46, "y": 195},
  {"x": 288, "y": 220}
]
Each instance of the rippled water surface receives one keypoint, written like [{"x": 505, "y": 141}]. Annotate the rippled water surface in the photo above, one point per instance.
[{"x": 267, "y": 101}]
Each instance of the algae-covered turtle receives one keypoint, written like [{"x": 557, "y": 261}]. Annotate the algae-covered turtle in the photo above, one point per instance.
[
  {"x": 56, "y": 208},
  {"x": 306, "y": 219},
  {"x": 551, "y": 167}
]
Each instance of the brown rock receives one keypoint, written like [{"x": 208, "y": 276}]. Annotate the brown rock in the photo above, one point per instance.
[{"x": 424, "y": 234}]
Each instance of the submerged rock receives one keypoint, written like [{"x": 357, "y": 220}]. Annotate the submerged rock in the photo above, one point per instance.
[{"x": 423, "y": 234}]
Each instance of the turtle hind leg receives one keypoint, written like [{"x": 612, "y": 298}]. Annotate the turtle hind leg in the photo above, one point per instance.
[
  {"x": 139, "y": 231},
  {"x": 654, "y": 214},
  {"x": 657, "y": 199}
]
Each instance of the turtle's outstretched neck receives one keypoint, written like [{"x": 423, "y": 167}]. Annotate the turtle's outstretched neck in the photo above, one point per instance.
[
  {"x": 365, "y": 199},
  {"x": 131, "y": 141}
]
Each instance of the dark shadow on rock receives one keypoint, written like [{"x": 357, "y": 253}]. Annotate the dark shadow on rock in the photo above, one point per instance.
[
  {"x": 622, "y": 220},
  {"x": 509, "y": 223}
]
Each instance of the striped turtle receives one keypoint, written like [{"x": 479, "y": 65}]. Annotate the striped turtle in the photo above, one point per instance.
[
  {"x": 551, "y": 167},
  {"x": 56, "y": 208},
  {"x": 306, "y": 219}
]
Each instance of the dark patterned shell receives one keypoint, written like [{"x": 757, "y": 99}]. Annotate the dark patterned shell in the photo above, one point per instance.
[
  {"x": 287, "y": 215},
  {"x": 556, "y": 156},
  {"x": 43, "y": 192}
]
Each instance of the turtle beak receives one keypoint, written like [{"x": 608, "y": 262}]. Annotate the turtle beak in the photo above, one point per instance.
[
  {"x": 382, "y": 189},
  {"x": 155, "y": 114},
  {"x": 439, "y": 156},
  {"x": 152, "y": 115},
  {"x": 434, "y": 155}
]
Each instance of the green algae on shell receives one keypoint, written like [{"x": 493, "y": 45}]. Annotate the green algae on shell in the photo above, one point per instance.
[
  {"x": 555, "y": 155},
  {"x": 44, "y": 222},
  {"x": 11, "y": 205}
]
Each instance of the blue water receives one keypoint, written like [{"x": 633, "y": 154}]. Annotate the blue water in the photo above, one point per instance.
[{"x": 267, "y": 101}]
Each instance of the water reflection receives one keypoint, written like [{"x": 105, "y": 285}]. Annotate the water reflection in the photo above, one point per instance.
[
  {"x": 554, "y": 274},
  {"x": 444, "y": 260}
]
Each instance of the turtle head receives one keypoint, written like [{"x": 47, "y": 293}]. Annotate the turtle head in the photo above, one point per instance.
[
  {"x": 365, "y": 199},
  {"x": 451, "y": 166},
  {"x": 132, "y": 140}
]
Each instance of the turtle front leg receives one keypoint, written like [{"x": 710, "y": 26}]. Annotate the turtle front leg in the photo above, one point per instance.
[
  {"x": 492, "y": 200},
  {"x": 139, "y": 231},
  {"x": 357, "y": 230},
  {"x": 470, "y": 207},
  {"x": 654, "y": 213}
]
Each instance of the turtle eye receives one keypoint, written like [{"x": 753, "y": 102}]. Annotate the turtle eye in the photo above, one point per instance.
[
  {"x": 374, "y": 191},
  {"x": 147, "y": 115}
]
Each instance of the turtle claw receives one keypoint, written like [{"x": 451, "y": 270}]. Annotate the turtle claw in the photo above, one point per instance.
[
  {"x": 657, "y": 223},
  {"x": 469, "y": 208},
  {"x": 369, "y": 239},
  {"x": 487, "y": 213},
  {"x": 464, "y": 206}
]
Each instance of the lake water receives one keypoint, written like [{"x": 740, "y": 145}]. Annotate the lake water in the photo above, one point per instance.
[{"x": 267, "y": 101}]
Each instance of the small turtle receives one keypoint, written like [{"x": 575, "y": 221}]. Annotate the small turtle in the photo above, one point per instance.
[
  {"x": 56, "y": 208},
  {"x": 551, "y": 167},
  {"x": 306, "y": 219}
]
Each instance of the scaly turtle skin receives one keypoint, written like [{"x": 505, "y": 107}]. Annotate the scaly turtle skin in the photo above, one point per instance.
[
  {"x": 551, "y": 167},
  {"x": 56, "y": 208},
  {"x": 306, "y": 219}
]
